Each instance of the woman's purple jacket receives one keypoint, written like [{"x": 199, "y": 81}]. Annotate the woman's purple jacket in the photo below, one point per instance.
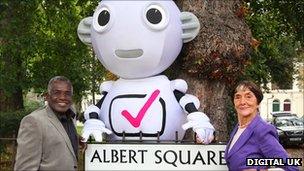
[{"x": 259, "y": 140}]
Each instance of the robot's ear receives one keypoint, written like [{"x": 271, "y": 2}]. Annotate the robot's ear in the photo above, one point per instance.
[
  {"x": 190, "y": 26},
  {"x": 84, "y": 30}
]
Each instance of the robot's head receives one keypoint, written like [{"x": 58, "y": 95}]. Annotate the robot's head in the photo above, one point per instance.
[{"x": 136, "y": 39}]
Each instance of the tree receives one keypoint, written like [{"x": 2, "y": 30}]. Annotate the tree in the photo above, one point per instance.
[
  {"x": 59, "y": 52},
  {"x": 15, "y": 44},
  {"x": 288, "y": 13},
  {"x": 278, "y": 29},
  {"x": 39, "y": 41},
  {"x": 217, "y": 57},
  {"x": 228, "y": 50}
]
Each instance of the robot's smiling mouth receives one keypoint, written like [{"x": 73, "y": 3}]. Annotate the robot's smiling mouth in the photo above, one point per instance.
[{"x": 134, "y": 53}]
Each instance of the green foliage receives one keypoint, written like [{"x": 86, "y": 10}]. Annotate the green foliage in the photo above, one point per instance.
[
  {"x": 290, "y": 16},
  {"x": 273, "y": 60},
  {"x": 16, "y": 39},
  {"x": 10, "y": 121},
  {"x": 39, "y": 40},
  {"x": 79, "y": 129},
  {"x": 32, "y": 105},
  {"x": 59, "y": 50}
]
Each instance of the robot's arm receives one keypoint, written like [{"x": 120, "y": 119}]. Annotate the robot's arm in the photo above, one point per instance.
[
  {"x": 198, "y": 121},
  {"x": 190, "y": 26},
  {"x": 93, "y": 111},
  {"x": 104, "y": 89},
  {"x": 93, "y": 125},
  {"x": 188, "y": 102},
  {"x": 84, "y": 30}
]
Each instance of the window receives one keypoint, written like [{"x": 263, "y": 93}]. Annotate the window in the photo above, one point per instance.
[
  {"x": 276, "y": 105},
  {"x": 287, "y": 105}
]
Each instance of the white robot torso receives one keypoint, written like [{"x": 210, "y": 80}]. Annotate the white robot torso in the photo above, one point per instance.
[{"x": 143, "y": 106}]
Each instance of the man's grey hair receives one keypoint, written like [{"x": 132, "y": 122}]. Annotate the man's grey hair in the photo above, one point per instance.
[{"x": 59, "y": 78}]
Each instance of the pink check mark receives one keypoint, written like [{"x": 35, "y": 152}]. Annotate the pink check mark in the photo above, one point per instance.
[{"x": 137, "y": 120}]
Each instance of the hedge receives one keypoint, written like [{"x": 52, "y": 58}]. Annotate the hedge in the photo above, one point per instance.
[{"x": 9, "y": 121}]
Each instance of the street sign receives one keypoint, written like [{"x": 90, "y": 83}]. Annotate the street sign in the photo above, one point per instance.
[{"x": 154, "y": 156}]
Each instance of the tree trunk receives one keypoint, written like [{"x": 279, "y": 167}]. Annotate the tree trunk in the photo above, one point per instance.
[
  {"x": 11, "y": 102},
  {"x": 214, "y": 98},
  {"x": 12, "y": 76},
  {"x": 214, "y": 61}
]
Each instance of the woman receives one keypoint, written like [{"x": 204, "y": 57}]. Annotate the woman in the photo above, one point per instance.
[{"x": 252, "y": 137}]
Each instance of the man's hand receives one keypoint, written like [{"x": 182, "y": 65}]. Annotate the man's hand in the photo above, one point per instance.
[{"x": 82, "y": 144}]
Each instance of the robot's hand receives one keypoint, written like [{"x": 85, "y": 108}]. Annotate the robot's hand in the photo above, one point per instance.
[
  {"x": 200, "y": 124},
  {"x": 92, "y": 112},
  {"x": 94, "y": 127},
  {"x": 84, "y": 30}
]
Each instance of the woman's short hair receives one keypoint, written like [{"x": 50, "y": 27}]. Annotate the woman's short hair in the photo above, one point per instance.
[{"x": 252, "y": 87}]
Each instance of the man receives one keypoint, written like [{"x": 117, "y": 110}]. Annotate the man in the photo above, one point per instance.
[{"x": 47, "y": 138}]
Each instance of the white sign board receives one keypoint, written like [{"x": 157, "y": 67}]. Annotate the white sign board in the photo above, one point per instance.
[{"x": 155, "y": 157}]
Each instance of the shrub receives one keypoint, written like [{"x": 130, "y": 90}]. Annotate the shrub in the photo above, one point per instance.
[{"x": 9, "y": 121}]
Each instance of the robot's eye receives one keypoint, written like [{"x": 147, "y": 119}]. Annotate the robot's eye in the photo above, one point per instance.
[
  {"x": 101, "y": 19},
  {"x": 156, "y": 17}
]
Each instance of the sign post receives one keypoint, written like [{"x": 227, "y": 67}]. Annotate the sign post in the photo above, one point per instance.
[{"x": 154, "y": 156}]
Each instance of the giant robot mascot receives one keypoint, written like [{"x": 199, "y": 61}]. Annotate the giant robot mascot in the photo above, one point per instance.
[{"x": 137, "y": 40}]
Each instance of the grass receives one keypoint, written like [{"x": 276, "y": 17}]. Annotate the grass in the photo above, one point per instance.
[{"x": 79, "y": 129}]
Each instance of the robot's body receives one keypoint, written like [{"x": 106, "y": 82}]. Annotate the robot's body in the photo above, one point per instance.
[
  {"x": 137, "y": 40},
  {"x": 143, "y": 106}
]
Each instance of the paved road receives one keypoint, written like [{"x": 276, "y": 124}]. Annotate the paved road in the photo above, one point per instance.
[{"x": 296, "y": 152}]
